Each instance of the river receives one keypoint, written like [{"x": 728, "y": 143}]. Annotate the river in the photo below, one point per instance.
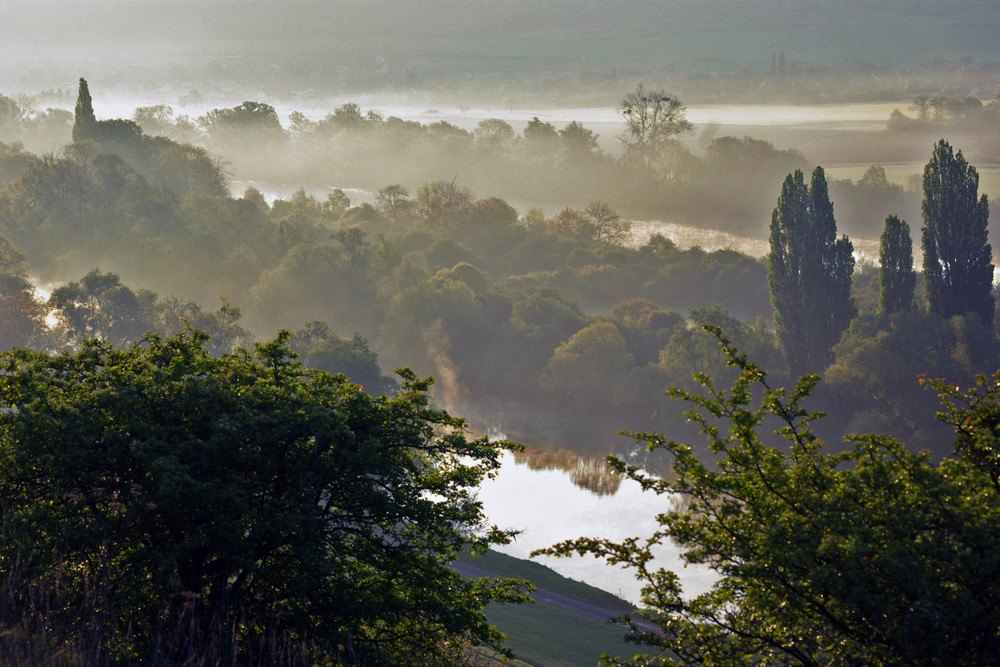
[{"x": 547, "y": 507}]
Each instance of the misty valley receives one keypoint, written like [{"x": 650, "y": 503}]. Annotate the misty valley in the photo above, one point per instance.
[{"x": 541, "y": 339}]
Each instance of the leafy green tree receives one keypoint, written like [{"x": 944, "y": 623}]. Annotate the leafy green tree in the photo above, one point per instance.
[
  {"x": 13, "y": 161},
  {"x": 13, "y": 262},
  {"x": 578, "y": 142},
  {"x": 809, "y": 273},
  {"x": 587, "y": 367},
  {"x": 572, "y": 223},
  {"x": 324, "y": 350},
  {"x": 827, "y": 273},
  {"x": 540, "y": 138},
  {"x": 21, "y": 315},
  {"x": 896, "y": 277},
  {"x": 243, "y": 503},
  {"x": 315, "y": 280},
  {"x": 250, "y": 121},
  {"x": 879, "y": 360},
  {"x": 958, "y": 268},
  {"x": 171, "y": 316},
  {"x": 873, "y": 556},
  {"x": 100, "y": 306},
  {"x": 493, "y": 133}
]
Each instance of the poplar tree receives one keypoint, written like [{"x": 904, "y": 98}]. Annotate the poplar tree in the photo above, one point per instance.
[
  {"x": 958, "y": 268},
  {"x": 85, "y": 122},
  {"x": 827, "y": 278},
  {"x": 896, "y": 277},
  {"x": 809, "y": 273}
]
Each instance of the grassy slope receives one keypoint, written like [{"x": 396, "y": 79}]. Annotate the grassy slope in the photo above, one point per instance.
[{"x": 542, "y": 635}]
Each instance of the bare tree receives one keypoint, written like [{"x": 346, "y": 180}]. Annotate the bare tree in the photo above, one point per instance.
[
  {"x": 609, "y": 227},
  {"x": 652, "y": 117},
  {"x": 393, "y": 202}
]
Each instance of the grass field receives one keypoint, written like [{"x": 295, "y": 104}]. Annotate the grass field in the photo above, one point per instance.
[
  {"x": 542, "y": 635},
  {"x": 545, "y": 636}
]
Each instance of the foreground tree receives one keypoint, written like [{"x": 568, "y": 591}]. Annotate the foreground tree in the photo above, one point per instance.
[
  {"x": 874, "y": 556},
  {"x": 958, "y": 268},
  {"x": 177, "y": 504},
  {"x": 809, "y": 273}
]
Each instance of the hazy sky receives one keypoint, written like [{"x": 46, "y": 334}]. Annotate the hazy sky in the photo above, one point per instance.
[{"x": 487, "y": 36}]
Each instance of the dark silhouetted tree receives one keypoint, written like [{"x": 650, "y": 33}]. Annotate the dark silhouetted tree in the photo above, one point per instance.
[
  {"x": 958, "y": 268},
  {"x": 896, "y": 277},
  {"x": 809, "y": 273},
  {"x": 242, "y": 502},
  {"x": 85, "y": 123}
]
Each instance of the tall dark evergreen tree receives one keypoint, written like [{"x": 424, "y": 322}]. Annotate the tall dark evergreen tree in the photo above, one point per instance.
[
  {"x": 809, "y": 273},
  {"x": 896, "y": 277},
  {"x": 958, "y": 268},
  {"x": 85, "y": 125}
]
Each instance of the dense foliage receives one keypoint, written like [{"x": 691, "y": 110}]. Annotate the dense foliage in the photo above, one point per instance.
[
  {"x": 896, "y": 277},
  {"x": 809, "y": 272},
  {"x": 171, "y": 506},
  {"x": 490, "y": 300},
  {"x": 958, "y": 258},
  {"x": 876, "y": 555}
]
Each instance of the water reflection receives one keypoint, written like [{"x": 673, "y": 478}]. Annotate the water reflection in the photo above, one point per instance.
[
  {"x": 587, "y": 473},
  {"x": 547, "y": 507}
]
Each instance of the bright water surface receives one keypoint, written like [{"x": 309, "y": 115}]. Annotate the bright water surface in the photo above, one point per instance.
[{"x": 548, "y": 508}]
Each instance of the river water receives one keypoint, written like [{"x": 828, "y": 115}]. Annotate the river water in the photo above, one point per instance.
[{"x": 548, "y": 508}]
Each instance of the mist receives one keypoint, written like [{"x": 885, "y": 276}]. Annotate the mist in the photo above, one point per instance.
[{"x": 253, "y": 139}]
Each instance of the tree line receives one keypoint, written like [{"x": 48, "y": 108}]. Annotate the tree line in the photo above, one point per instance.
[
  {"x": 453, "y": 285},
  {"x": 655, "y": 175}
]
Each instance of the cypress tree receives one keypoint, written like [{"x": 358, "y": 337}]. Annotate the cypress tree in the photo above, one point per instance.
[
  {"x": 85, "y": 122},
  {"x": 896, "y": 277},
  {"x": 958, "y": 268},
  {"x": 809, "y": 273}
]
